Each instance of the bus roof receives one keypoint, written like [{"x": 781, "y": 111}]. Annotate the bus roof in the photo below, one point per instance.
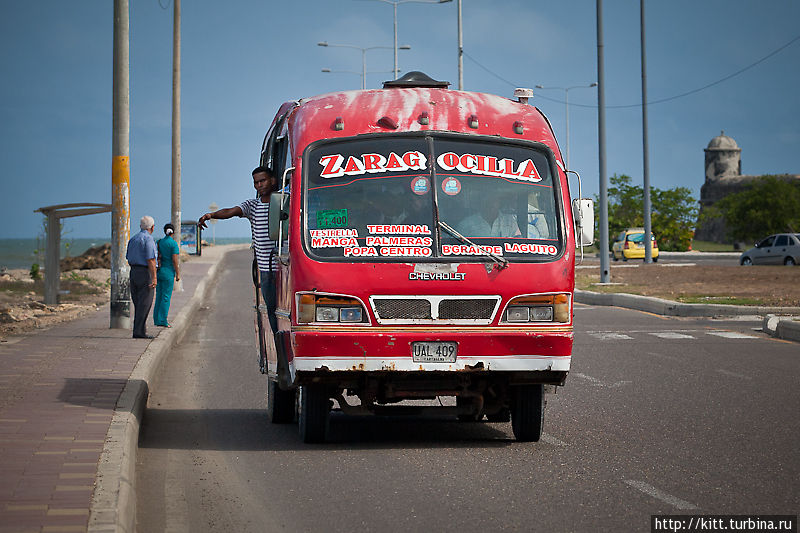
[{"x": 394, "y": 110}]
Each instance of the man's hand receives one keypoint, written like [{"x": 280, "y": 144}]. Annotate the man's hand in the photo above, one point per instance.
[
  {"x": 202, "y": 221},
  {"x": 221, "y": 214},
  {"x": 151, "y": 266}
]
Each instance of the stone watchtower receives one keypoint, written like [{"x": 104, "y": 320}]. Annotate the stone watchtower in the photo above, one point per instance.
[
  {"x": 723, "y": 158},
  {"x": 723, "y": 177}
]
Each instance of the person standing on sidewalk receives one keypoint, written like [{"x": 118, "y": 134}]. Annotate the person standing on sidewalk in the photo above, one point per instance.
[
  {"x": 169, "y": 272},
  {"x": 141, "y": 256},
  {"x": 256, "y": 210}
]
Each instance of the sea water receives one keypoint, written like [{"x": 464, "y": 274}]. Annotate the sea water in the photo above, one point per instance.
[{"x": 22, "y": 253}]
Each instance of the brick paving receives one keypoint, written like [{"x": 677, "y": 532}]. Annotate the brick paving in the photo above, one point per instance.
[{"x": 58, "y": 391}]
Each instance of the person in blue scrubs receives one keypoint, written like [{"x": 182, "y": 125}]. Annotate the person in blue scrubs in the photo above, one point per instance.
[{"x": 168, "y": 273}]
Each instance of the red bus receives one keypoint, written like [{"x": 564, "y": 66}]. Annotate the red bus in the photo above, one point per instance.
[{"x": 427, "y": 247}]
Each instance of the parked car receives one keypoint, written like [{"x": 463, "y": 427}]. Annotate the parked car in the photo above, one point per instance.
[
  {"x": 629, "y": 244},
  {"x": 778, "y": 249}
]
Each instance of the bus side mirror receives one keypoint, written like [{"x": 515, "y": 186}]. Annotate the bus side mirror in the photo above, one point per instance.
[
  {"x": 583, "y": 213},
  {"x": 278, "y": 222}
]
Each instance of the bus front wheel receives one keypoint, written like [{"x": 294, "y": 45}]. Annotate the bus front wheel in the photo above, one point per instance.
[
  {"x": 527, "y": 412},
  {"x": 280, "y": 403},
  {"x": 314, "y": 413}
]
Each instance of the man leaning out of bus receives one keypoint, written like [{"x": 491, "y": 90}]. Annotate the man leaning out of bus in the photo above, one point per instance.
[{"x": 256, "y": 210}]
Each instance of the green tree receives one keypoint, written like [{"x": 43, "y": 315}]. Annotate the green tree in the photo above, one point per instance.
[
  {"x": 769, "y": 205},
  {"x": 672, "y": 215},
  {"x": 625, "y": 204}
]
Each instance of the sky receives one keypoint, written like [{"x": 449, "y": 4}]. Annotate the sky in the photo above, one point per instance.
[{"x": 242, "y": 58}]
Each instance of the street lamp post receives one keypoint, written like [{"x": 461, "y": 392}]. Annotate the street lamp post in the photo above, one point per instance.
[
  {"x": 357, "y": 73},
  {"x": 363, "y": 56},
  {"x": 211, "y": 208},
  {"x": 395, "y": 3},
  {"x": 566, "y": 103}
]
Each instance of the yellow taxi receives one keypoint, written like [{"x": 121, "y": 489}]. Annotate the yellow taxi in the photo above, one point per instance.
[{"x": 629, "y": 244}]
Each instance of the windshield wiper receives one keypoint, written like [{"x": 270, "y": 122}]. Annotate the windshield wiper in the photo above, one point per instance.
[{"x": 502, "y": 261}]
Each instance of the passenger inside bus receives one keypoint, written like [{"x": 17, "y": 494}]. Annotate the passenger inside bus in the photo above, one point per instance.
[
  {"x": 489, "y": 220},
  {"x": 537, "y": 219},
  {"x": 408, "y": 209}
]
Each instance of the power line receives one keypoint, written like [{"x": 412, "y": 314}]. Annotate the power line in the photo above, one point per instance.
[{"x": 660, "y": 101}]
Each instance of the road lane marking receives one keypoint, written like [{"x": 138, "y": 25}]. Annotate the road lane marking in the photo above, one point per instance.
[
  {"x": 671, "y": 335},
  {"x": 610, "y": 335},
  {"x": 660, "y": 495},
  {"x": 733, "y": 374},
  {"x": 549, "y": 439},
  {"x": 731, "y": 335},
  {"x": 669, "y": 357},
  {"x": 599, "y": 383},
  {"x": 220, "y": 340}
]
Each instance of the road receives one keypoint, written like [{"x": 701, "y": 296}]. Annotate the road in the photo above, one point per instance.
[
  {"x": 683, "y": 258},
  {"x": 659, "y": 415}
]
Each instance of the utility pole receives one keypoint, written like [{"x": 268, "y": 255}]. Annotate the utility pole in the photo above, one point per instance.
[
  {"x": 120, "y": 171},
  {"x": 648, "y": 245},
  {"x": 460, "y": 51},
  {"x": 396, "y": 70},
  {"x": 605, "y": 274},
  {"x": 211, "y": 208},
  {"x": 176, "y": 123}
]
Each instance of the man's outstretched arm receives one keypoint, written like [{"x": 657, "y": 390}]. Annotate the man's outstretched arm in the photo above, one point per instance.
[{"x": 221, "y": 214}]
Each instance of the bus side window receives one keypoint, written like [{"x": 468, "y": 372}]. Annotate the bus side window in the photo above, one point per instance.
[{"x": 272, "y": 155}]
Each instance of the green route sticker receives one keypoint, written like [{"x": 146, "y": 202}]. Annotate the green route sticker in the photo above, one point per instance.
[{"x": 332, "y": 218}]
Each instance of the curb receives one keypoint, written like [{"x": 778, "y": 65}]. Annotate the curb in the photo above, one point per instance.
[
  {"x": 113, "y": 505},
  {"x": 782, "y": 326}
]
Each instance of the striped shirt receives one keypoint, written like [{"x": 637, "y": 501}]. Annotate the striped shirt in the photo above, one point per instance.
[{"x": 257, "y": 213}]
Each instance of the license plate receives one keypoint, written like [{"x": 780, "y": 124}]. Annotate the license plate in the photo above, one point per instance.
[{"x": 434, "y": 352}]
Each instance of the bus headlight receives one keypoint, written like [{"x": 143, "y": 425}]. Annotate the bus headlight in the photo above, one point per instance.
[
  {"x": 327, "y": 314},
  {"x": 541, "y": 314},
  {"x": 538, "y": 308},
  {"x": 350, "y": 314},
  {"x": 518, "y": 314},
  {"x": 313, "y": 307}
]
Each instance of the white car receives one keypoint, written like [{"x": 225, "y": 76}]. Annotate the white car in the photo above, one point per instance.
[{"x": 778, "y": 249}]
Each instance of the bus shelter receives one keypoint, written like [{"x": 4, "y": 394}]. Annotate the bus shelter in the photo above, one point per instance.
[{"x": 54, "y": 214}]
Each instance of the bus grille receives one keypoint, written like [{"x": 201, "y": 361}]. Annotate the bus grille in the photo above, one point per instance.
[
  {"x": 402, "y": 309},
  {"x": 466, "y": 309},
  {"x": 434, "y": 309}
]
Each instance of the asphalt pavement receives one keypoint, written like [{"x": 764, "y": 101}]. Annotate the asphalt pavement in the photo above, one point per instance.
[{"x": 71, "y": 400}]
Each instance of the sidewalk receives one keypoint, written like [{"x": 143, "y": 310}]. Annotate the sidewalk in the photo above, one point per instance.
[{"x": 68, "y": 398}]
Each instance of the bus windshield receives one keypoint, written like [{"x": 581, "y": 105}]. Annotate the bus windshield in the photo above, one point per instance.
[{"x": 433, "y": 197}]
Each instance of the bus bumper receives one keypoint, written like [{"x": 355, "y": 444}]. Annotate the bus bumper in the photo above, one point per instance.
[{"x": 478, "y": 350}]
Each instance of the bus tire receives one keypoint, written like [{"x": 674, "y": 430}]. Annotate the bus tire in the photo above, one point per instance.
[
  {"x": 314, "y": 413},
  {"x": 280, "y": 403},
  {"x": 527, "y": 412}
]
